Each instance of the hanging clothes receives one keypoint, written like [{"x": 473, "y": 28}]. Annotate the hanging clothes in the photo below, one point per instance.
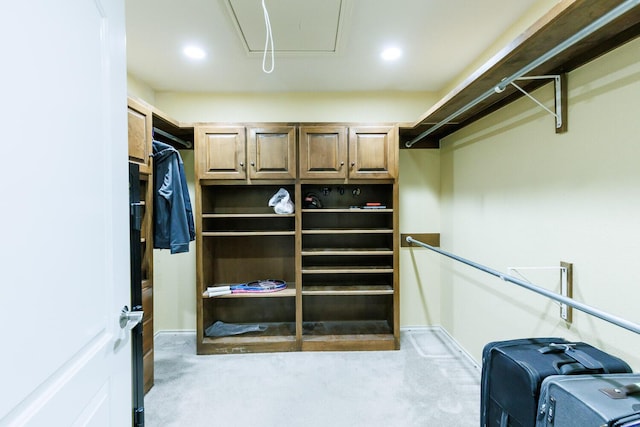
[{"x": 172, "y": 213}]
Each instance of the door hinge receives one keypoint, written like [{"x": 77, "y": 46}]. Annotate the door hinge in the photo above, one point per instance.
[
  {"x": 137, "y": 211},
  {"x": 138, "y": 417}
]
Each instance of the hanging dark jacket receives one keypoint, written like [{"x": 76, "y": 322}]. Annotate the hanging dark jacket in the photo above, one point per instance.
[{"x": 173, "y": 216}]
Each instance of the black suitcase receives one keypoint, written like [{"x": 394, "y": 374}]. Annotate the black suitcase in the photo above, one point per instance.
[
  {"x": 611, "y": 400},
  {"x": 512, "y": 372}
]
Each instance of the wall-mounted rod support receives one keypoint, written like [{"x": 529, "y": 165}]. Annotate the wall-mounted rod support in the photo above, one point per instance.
[
  {"x": 566, "y": 284},
  {"x": 566, "y": 289},
  {"x": 623, "y": 323},
  {"x": 557, "y": 86},
  {"x": 584, "y": 32},
  {"x": 175, "y": 139}
]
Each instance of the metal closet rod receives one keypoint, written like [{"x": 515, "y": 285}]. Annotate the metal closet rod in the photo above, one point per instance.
[
  {"x": 623, "y": 323},
  {"x": 586, "y": 31},
  {"x": 175, "y": 139}
]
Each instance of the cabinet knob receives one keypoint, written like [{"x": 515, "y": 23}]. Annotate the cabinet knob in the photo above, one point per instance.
[
  {"x": 241, "y": 164},
  {"x": 253, "y": 164},
  {"x": 353, "y": 164},
  {"x": 341, "y": 164}
]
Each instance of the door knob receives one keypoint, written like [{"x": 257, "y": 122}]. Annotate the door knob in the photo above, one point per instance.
[{"x": 129, "y": 319}]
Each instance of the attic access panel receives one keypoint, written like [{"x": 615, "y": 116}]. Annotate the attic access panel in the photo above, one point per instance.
[{"x": 298, "y": 26}]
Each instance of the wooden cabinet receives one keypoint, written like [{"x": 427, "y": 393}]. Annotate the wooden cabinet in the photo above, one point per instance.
[
  {"x": 225, "y": 152},
  {"x": 348, "y": 268},
  {"x": 271, "y": 152},
  {"x": 337, "y": 152},
  {"x": 372, "y": 152},
  {"x": 140, "y": 140},
  {"x": 220, "y": 152},
  {"x": 340, "y": 262},
  {"x": 240, "y": 239},
  {"x": 323, "y": 152},
  {"x": 140, "y": 134}
]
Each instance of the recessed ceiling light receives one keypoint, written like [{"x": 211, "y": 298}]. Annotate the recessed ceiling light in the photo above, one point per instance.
[
  {"x": 194, "y": 52},
  {"x": 391, "y": 54}
]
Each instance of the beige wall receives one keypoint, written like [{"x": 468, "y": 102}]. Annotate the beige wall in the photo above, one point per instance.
[
  {"x": 139, "y": 89},
  {"x": 502, "y": 43},
  {"x": 419, "y": 213},
  {"x": 516, "y": 194},
  {"x": 296, "y": 107},
  {"x": 174, "y": 276}
]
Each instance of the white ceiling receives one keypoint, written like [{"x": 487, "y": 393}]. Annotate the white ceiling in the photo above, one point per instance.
[{"x": 321, "y": 45}]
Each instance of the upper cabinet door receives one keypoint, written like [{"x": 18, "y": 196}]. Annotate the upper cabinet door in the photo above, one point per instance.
[
  {"x": 323, "y": 152},
  {"x": 271, "y": 152},
  {"x": 220, "y": 152},
  {"x": 372, "y": 152},
  {"x": 140, "y": 134}
]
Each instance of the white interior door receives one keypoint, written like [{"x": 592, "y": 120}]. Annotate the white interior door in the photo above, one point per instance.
[{"x": 64, "y": 255}]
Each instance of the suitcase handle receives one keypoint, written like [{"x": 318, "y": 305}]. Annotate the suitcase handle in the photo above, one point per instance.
[
  {"x": 574, "y": 368},
  {"x": 626, "y": 420},
  {"x": 577, "y": 355},
  {"x": 622, "y": 392}
]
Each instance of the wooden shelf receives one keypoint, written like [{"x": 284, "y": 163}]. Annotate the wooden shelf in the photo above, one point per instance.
[
  {"x": 181, "y": 130},
  {"x": 346, "y": 251},
  {"x": 247, "y": 215},
  {"x": 290, "y": 291},
  {"x": 349, "y": 231},
  {"x": 347, "y": 269},
  {"x": 356, "y": 342},
  {"x": 351, "y": 335},
  {"x": 347, "y": 290},
  {"x": 248, "y": 339},
  {"x": 246, "y": 233},
  {"x": 559, "y": 24},
  {"x": 347, "y": 210},
  {"x": 277, "y": 337}
]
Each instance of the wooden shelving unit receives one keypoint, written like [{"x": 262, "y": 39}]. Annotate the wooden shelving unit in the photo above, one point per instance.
[
  {"x": 146, "y": 243},
  {"x": 347, "y": 263},
  {"x": 340, "y": 262},
  {"x": 240, "y": 239},
  {"x": 140, "y": 122}
]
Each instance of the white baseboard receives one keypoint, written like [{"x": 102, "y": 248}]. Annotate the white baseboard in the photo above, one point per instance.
[
  {"x": 175, "y": 332},
  {"x": 455, "y": 343}
]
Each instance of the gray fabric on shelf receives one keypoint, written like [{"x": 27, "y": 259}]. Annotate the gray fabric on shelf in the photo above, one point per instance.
[{"x": 222, "y": 329}]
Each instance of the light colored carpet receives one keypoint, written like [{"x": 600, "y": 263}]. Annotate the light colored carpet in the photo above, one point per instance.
[{"x": 429, "y": 382}]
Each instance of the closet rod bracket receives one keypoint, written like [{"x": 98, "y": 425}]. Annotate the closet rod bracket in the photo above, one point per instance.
[
  {"x": 566, "y": 285},
  {"x": 560, "y": 98}
]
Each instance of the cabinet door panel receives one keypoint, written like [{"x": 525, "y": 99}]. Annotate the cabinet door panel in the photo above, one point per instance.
[
  {"x": 323, "y": 152},
  {"x": 139, "y": 119},
  {"x": 372, "y": 152},
  {"x": 271, "y": 152},
  {"x": 221, "y": 152}
]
